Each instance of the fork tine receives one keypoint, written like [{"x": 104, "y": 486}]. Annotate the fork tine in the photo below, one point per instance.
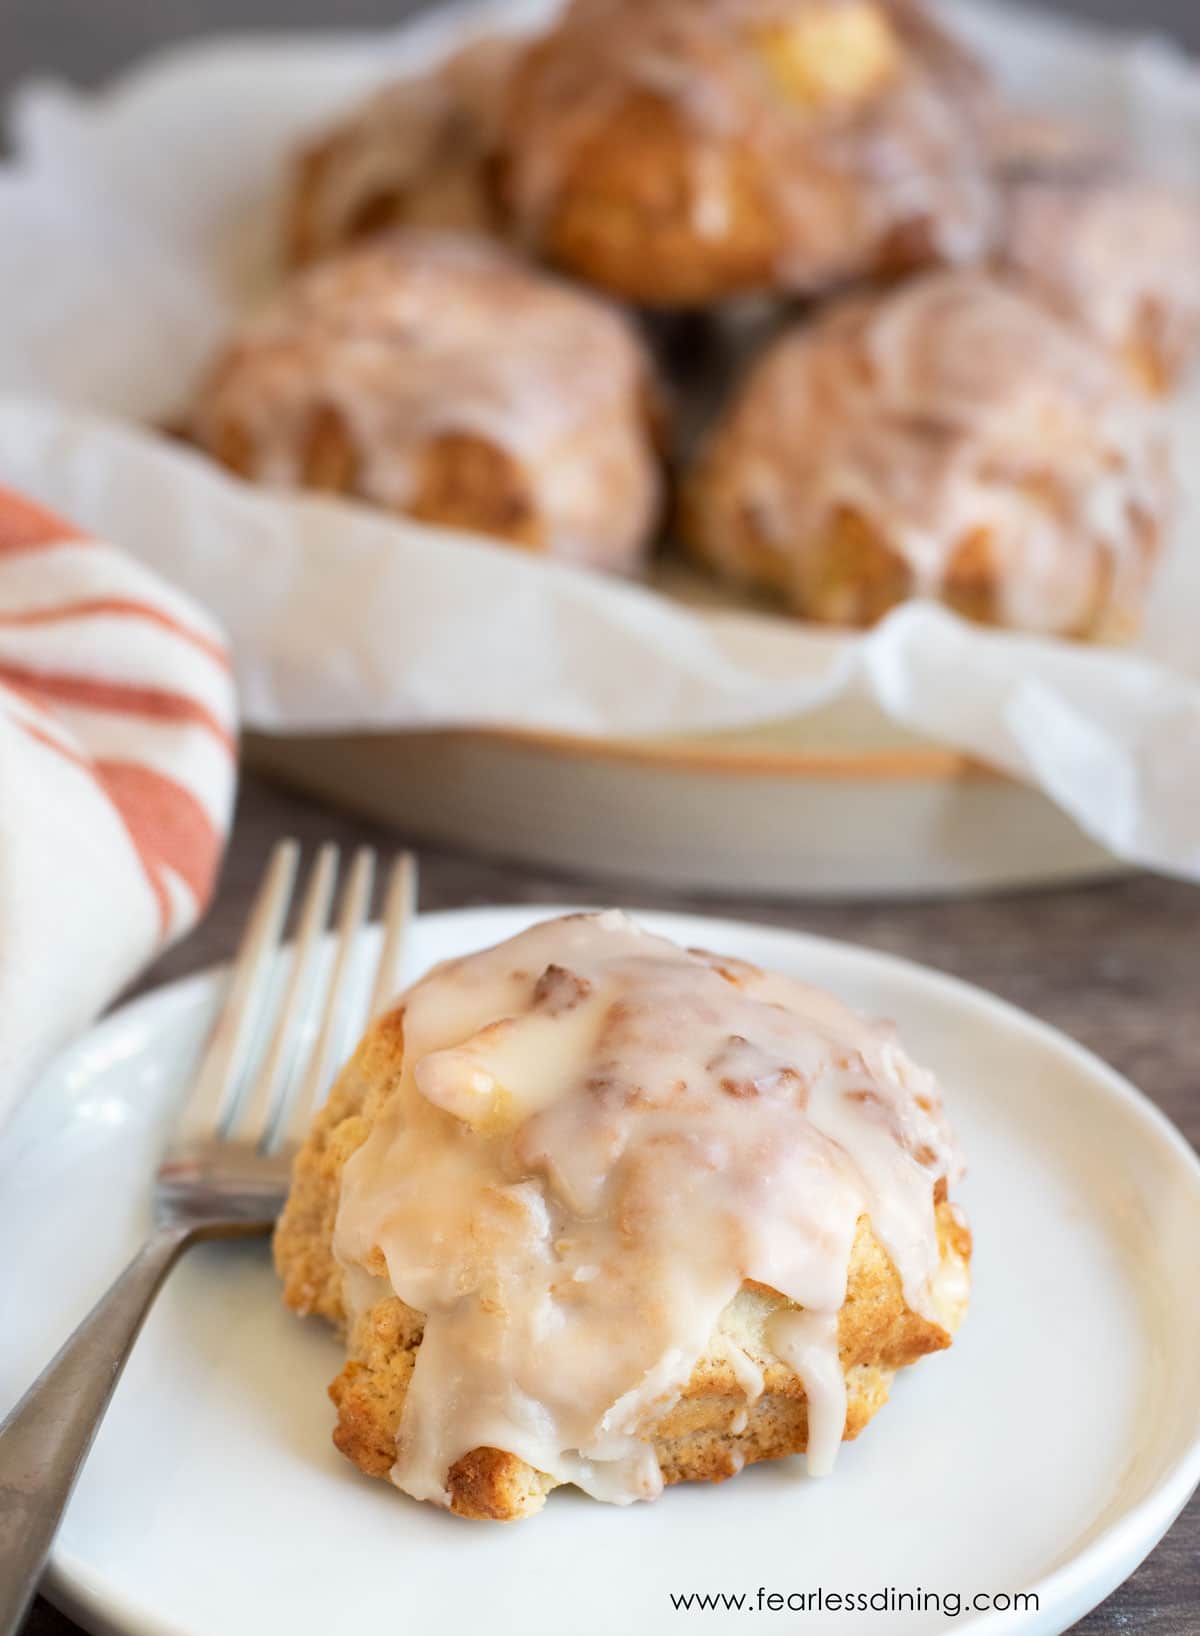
[
  {"x": 298, "y": 1109},
  {"x": 256, "y": 1109},
  {"x": 398, "y": 908},
  {"x": 215, "y": 1091}
]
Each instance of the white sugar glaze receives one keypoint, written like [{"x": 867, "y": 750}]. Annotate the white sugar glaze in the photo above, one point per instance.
[
  {"x": 1113, "y": 250},
  {"x": 595, "y": 1140},
  {"x": 844, "y": 168},
  {"x": 1114, "y": 254},
  {"x": 424, "y": 140}
]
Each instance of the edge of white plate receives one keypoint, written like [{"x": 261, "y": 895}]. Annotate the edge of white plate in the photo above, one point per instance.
[{"x": 810, "y": 825}]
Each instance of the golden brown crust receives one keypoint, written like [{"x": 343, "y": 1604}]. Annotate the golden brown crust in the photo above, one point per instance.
[
  {"x": 303, "y": 1243},
  {"x": 626, "y": 217},
  {"x": 701, "y": 1437},
  {"x": 852, "y": 576},
  {"x": 465, "y": 481},
  {"x": 756, "y": 164}
]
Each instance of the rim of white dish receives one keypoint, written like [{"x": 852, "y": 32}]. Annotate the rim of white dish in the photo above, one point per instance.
[
  {"x": 77, "y": 1591},
  {"x": 726, "y": 753}
]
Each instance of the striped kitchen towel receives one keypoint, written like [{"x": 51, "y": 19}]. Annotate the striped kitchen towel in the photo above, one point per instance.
[{"x": 117, "y": 774}]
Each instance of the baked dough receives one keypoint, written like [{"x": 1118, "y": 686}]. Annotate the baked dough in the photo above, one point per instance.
[
  {"x": 416, "y": 153},
  {"x": 438, "y": 376},
  {"x": 948, "y": 438},
  {"x": 685, "y": 151},
  {"x": 1106, "y": 248},
  {"x": 615, "y": 1013}
]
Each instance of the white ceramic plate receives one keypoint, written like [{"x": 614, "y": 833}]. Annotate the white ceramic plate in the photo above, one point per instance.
[
  {"x": 1047, "y": 1451},
  {"x": 836, "y": 804}
]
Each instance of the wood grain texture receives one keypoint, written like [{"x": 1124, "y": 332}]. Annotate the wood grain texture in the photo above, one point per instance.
[{"x": 1114, "y": 966}]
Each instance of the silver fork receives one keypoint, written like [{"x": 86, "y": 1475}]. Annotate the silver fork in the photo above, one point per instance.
[{"x": 224, "y": 1175}]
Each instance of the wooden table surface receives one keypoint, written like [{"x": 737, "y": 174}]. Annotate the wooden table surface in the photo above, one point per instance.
[{"x": 1115, "y": 966}]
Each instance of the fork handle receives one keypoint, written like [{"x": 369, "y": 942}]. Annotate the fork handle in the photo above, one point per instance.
[{"x": 45, "y": 1439}]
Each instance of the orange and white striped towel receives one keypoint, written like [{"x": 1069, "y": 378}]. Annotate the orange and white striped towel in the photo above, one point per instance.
[{"x": 117, "y": 774}]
